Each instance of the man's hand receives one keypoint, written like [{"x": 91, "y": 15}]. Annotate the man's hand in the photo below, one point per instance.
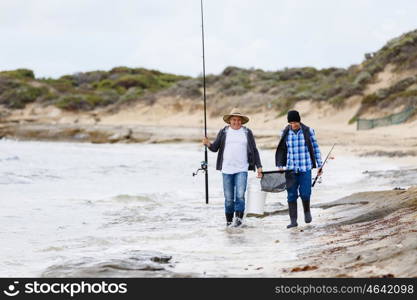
[
  {"x": 259, "y": 173},
  {"x": 320, "y": 172},
  {"x": 206, "y": 142}
]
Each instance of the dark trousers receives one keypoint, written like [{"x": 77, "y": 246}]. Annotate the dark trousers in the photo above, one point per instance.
[{"x": 301, "y": 187}]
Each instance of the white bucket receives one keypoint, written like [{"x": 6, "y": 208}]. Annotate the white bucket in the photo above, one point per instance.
[{"x": 255, "y": 199}]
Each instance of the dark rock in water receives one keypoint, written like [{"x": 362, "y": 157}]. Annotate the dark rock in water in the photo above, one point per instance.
[
  {"x": 152, "y": 256},
  {"x": 161, "y": 259},
  {"x": 131, "y": 264}
]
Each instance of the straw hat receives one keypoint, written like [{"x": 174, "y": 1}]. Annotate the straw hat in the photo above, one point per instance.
[{"x": 235, "y": 113}]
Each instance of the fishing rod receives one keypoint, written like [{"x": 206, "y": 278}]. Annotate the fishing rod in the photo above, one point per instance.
[
  {"x": 204, "y": 163},
  {"x": 317, "y": 176}
]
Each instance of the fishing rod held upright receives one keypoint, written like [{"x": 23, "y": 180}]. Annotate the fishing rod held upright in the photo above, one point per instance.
[{"x": 204, "y": 163}]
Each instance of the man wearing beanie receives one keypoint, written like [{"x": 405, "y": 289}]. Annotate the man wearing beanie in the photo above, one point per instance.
[{"x": 298, "y": 152}]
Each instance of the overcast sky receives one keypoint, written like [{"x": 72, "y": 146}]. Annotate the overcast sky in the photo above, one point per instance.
[{"x": 57, "y": 37}]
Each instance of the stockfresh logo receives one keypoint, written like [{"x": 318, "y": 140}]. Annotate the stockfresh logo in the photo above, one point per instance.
[{"x": 11, "y": 290}]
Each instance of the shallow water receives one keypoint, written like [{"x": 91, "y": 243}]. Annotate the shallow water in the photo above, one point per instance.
[{"x": 135, "y": 210}]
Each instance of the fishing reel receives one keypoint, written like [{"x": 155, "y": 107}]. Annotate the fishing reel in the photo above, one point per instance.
[
  {"x": 203, "y": 168},
  {"x": 320, "y": 180}
]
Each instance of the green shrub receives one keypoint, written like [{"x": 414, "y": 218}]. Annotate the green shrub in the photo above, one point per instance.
[
  {"x": 108, "y": 96},
  {"x": 350, "y": 90},
  {"x": 403, "y": 94},
  {"x": 131, "y": 94},
  {"x": 235, "y": 85},
  {"x": 370, "y": 99},
  {"x": 8, "y": 83},
  {"x": 104, "y": 84},
  {"x": 86, "y": 78},
  {"x": 49, "y": 96},
  {"x": 171, "y": 78},
  {"x": 335, "y": 72},
  {"x": 73, "y": 102},
  {"x": 397, "y": 90},
  {"x": 68, "y": 78},
  {"x": 22, "y": 74},
  {"x": 147, "y": 72},
  {"x": 401, "y": 85},
  {"x": 85, "y": 102},
  {"x": 353, "y": 120},
  {"x": 235, "y": 91},
  {"x": 232, "y": 71},
  {"x": 142, "y": 81},
  {"x": 93, "y": 100},
  {"x": 304, "y": 95},
  {"x": 362, "y": 78},
  {"x": 118, "y": 70},
  {"x": 190, "y": 88},
  {"x": 61, "y": 85},
  {"x": 284, "y": 104},
  {"x": 297, "y": 73},
  {"x": 19, "y": 97},
  {"x": 337, "y": 101}
]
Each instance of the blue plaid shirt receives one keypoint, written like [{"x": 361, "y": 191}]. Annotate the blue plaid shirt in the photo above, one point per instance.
[{"x": 298, "y": 156}]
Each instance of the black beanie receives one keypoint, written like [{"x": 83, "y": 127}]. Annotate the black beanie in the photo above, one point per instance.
[{"x": 293, "y": 116}]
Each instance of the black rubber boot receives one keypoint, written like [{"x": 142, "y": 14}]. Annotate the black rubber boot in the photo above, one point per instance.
[
  {"x": 292, "y": 210},
  {"x": 307, "y": 213},
  {"x": 239, "y": 218},
  {"x": 229, "y": 219}
]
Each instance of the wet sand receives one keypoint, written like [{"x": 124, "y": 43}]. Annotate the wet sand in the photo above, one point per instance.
[
  {"x": 372, "y": 234},
  {"x": 365, "y": 234}
]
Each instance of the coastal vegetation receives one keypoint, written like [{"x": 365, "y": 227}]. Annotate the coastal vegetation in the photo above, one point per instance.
[{"x": 254, "y": 88}]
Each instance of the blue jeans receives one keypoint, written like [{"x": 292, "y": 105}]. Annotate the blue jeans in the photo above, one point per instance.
[
  {"x": 302, "y": 184},
  {"x": 234, "y": 188}
]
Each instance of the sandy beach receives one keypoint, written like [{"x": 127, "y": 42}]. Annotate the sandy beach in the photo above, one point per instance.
[
  {"x": 161, "y": 124},
  {"x": 371, "y": 234}
]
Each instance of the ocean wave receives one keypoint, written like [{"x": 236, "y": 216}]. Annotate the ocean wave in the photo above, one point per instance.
[{"x": 10, "y": 158}]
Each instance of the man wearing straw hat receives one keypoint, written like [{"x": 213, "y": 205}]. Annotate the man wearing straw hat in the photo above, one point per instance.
[{"x": 237, "y": 154}]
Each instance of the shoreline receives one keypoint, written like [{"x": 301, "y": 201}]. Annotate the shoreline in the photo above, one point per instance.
[
  {"x": 361, "y": 144},
  {"x": 160, "y": 123},
  {"x": 379, "y": 242}
]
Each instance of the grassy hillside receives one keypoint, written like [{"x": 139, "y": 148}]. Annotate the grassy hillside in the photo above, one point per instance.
[
  {"x": 253, "y": 88},
  {"x": 281, "y": 89},
  {"x": 82, "y": 91}
]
